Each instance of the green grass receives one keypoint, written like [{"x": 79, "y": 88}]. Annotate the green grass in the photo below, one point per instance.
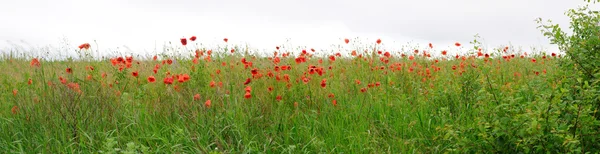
[{"x": 411, "y": 111}]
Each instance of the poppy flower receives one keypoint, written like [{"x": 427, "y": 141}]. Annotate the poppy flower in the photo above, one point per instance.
[
  {"x": 225, "y": 40},
  {"x": 457, "y": 44},
  {"x": 346, "y": 41},
  {"x": 334, "y": 102},
  {"x": 181, "y": 79},
  {"x": 332, "y": 58},
  {"x": 277, "y": 47},
  {"x": 197, "y": 97},
  {"x": 29, "y": 82},
  {"x": 254, "y": 71},
  {"x": 533, "y": 60},
  {"x": 169, "y": 61},
  {"x": 207, "y": 103},
  {"x": 363, "y": 89},
  {"x": 193, "y": 38},
  {"x": 84, "y": 46},
  {"x": 15, "y": 91},
  {"x": 387, "y": 54},
  {"x": 270, "y": 89},
  {"x": 168, "y": 80},
  {"x": 184, "y": 41},
  {"x": 135, "y": 74},
  {"x": 323, "y": 83},
  {"x": 35, "y": 62},
  {"x": 430, "y": 45},
  {"x": 378, "y": 41},
  {"x": 278, "y": 98},
  {"x": 69, "y": 70},
  {"x": 444, "y": 52},
  {"x": 186, "y": 77},
  {"x": 331, "y": 95},
  {"x": 14, "y": 109},
  {"x": 248, "y": 80},
  {"x": 247, "y": 95}
]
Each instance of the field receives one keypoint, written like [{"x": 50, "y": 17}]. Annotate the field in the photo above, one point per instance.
[{"x": 228, "y": 100}]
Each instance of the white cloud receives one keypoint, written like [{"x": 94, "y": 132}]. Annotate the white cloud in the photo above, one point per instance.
[{"x": 265, "y": 23}]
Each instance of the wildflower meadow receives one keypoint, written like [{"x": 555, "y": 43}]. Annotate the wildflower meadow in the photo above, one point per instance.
[{"x": 438, "y": 98}]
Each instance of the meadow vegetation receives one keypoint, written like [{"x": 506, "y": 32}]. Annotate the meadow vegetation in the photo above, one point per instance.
[{"x": 363, "y": 100}]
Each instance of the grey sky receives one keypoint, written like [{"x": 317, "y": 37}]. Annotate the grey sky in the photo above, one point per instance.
[{"x": 265, "y": 23}]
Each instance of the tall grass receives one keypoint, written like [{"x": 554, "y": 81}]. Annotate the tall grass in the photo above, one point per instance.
[{"x": 401, "y": 105}]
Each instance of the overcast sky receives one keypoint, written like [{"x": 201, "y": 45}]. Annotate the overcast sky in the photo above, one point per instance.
[{"x": 140, "y": 24}]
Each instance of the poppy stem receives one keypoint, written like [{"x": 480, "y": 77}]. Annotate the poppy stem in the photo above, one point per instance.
[{"x": 491, "y": 89}]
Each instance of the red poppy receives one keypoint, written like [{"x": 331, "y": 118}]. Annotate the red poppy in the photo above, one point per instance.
[
  {"x": 270, "y": 89},
  {"x": 181, "y": 79},
  {"x": 14, "y": 109},
  {"x": 84, "y": 46},
  {"x": 15, "y": 91},
  {"x": 357, "y": 81},
  {"x": 247, "y": 81},
  {"x": 430, "y": 45},
  {"x": 169, "y": 61},
  {"x": 347, "y": 41},
  {"x": 277, "y": 47},
  {"x": 183, "y": 41},
  {"x": 186, "y": 77},
  {"x": 247, "y": 95},
  {"x": 332, "y": 58},
  {"x": 553, "y": 54},
  {"x": 168, "y": 80},
  {"x": 331, "y": 95},
  {"x": 193, "y": 38},
  {"x": 225, "y": 40},
  {"x": 69, "y": 70},
  {"x": 533, "y": 60},
  {"x": 278, "y": 98},
  {"x": 378, "y": 41},
  {"x": 29, "y": 82},
  {"x": 334, "y": 102},
  {"x": 197, "y": 97},
  {"x": 444, "y": 52},
  {"x": 363, "y": 89},
  {"x": 457, "y": 44},
  {"x": 254, "y": 71},
  {"x": 323, "y": 83},
  {"x": 207, "y": 103},
  {"x": 135, "y": 74},
  {"x": 35, "y": 62}
]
